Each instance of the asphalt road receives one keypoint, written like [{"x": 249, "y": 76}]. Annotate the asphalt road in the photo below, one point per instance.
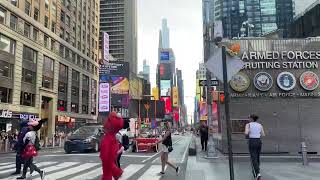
[{"x": 137, "y": 166}]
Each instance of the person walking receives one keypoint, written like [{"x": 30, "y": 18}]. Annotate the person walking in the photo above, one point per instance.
[
  {"x": 166, "y": 148},
  {"x": 121, "y": 148},
  {"x": 29, "y": 152},
  {"x": 204, "y": 136},
  {"x": 254, "y": 131}
]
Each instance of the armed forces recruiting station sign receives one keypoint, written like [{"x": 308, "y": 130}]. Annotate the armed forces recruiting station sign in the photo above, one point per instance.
[{"x": 278, "y": 73}]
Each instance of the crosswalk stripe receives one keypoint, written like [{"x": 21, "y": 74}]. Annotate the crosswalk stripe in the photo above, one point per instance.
[
  {"x": 58, "y": 167},
  {"x": 152, "y": 173},
  {"x": 89, "y": 175},
  {"x": 38, "y": 164},
  {"x": 3, "y": 164},
  {"x": 8, "y": 166},
  {"x": 130, "y": 170},
  {"x": 67, "y": 172}
]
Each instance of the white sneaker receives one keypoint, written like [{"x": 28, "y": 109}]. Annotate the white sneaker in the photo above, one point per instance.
[{"x": 258, "y": 177}]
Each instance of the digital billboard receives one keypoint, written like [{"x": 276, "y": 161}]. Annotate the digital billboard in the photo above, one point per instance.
[
  {"x": 164, "y": 56},
  {"x": 165, "y": 86},
  {"x": 167, "y": 104},
  {"x": 146, "y": 108},
  {"x": 105, "y": 47},
  {"x": 104, "y": 97},
  {"x": 165, "y": 71}
]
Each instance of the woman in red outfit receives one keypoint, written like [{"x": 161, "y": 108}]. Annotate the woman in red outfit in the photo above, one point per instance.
[{"x": 110, "y": 147}]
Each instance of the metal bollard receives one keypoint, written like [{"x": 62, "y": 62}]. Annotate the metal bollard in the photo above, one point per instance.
[
  {"x": 6, "y": 145},
  {"x": 46, "y": 142},
  {"x": 60, "y": 142},
  {"x": 53, "y": 142},
  {"x": 304, "y": 153}
]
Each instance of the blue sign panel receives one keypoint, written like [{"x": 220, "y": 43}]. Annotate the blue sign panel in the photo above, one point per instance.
[{"x": 164, "y": 56}]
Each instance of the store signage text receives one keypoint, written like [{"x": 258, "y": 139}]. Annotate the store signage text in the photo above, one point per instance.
[
  {"x": 5, "y": 114},
  {"x": 271, "y": 60},
  {"x": 28, "y": 117}
]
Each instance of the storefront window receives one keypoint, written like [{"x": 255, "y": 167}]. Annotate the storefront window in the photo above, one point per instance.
[
  {"x": 27, "y": 99},
  {"x": 85, "y": 101},
  {"x": 62, "y": 105},
  {"x": 6, "y": 44},
  {"x": 6, "y": 69},
  {"x": 5, "y": 95},
  {"x": 238, "y": 126}
]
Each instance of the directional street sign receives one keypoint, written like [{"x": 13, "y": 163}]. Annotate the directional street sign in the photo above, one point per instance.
[{"x": 204, "y": 82}]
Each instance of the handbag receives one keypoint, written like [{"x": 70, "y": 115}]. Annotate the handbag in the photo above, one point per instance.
[
  {"x": 29, "y": 152},
  {"x": 170, "y": 148}
]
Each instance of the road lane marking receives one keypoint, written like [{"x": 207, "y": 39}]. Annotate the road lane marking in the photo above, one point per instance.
[
  {"x": 89, "y": 175},
  {"x": 131, "y": 170},
  {"x": 38, "y": 164},
  {"x": 152, "y": 173},
  {"x": 129, "y": 155},
  {"x": 7, "y": 163},
  {"x": 184, "y": 154},
  {"x": 70, "y": 171}
]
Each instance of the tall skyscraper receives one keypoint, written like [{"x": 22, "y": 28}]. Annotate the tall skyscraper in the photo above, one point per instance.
[
  {"x": 119, "y": 19},
  {"x": 165, "y": 35},
  {"x": 49, "y": 63},
  {"x": 302, "y": 5},
  {"x": 252, "y": 18}
]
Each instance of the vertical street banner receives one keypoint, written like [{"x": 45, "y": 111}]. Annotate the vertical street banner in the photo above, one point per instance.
[
  {"x": 203, "y": 111},
  {"x": 155, "y": 93},
  {"x": 104, "y": 97},
  {"x": 105, "y": 47},
  {"x": 175, "y": 97}
]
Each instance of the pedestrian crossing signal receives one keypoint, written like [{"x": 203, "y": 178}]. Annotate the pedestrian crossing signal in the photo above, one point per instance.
[{"x": 221, "y": 97}]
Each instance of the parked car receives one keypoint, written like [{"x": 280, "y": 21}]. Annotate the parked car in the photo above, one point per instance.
[{"x": 85, "y": 138}]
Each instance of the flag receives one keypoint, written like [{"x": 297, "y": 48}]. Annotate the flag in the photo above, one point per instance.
[{"x": 214, "y": 65}]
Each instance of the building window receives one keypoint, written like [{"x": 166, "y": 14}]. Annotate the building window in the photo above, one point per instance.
[
  {"x": 46, "y": 4},
  {"x": 238, "y": 126},
  {"x": 46, "y": 22},
  {"x": 67, "y": 54},
  {"x": 27, "y": 6},
  {"x": 62, "y": 105},
  {"x": 93, "y": 96},
  {"x": 29, "y": 54},
  {"x": 5, "y": 95},
  {"x": 48, "y": 73},
  {"x": 14, "y": 2},
  {"x": 67, "y": 20},
  {"x": 35, "y": 34},
  {"x": 3, "y": 15},
  {"x": 6, "y": 69},
  {"x": 68, "y": 5},
  {"x": 85, "y": 80},
  {"x": 36, "y": 14},
  {"x": 13, "y": 22},
  {"x": 46, "y": 41},
  {"x": 75, "y": 107},
  {"x": 74, "y": 58},
  {"x": 75, "y": 75},
  {"x": 53, "y": 44},
  {"x": 8, "y": 45},
  {"x": 54, "y": 9},
  {"x": 61, "y": 32},
  {"x": 53, "y": 27},
  {"x": 28, "y": 76},
  {"x": 63, "y": 2},
  {"x": 62, "y": 16},
  {"x": 26, "y": 29},
  {"x": 61, "y": 50},
  {"x": 27, "y": 99},
  {"x": 63, "y": 73},
  {"x": 67, "y": 37}
]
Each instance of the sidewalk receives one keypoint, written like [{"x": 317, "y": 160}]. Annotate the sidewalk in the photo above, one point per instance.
[{"x": 218, "y": 169}]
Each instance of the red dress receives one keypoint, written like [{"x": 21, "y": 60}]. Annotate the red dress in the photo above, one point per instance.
[{"x": 110, "y": 147}]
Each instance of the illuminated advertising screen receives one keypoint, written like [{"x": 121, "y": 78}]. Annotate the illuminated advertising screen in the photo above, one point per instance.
[
  {"x": 167, "y": 104},
  {"x": 165, "y": 56},
  {"x": 105, "y": 47},
  {"x": 165, "y": 71},
  {"x": 104, "y": 97},
  {"x": 165, "y": 86}
]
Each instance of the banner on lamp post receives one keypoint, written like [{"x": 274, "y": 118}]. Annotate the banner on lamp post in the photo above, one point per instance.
[{"x": 175, "y": 97}]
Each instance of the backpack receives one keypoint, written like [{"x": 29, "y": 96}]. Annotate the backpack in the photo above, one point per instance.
[
  {"x": 37, "y": 144},
  {"x": 125, "y": 142}
]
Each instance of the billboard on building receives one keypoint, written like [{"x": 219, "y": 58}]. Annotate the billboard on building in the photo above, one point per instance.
[
  {"x": 117, "y": 75},
  {"x": 165, "y": 71},
  {"x": 175, "y": 97},
  {"x": 165, "y": 86},
  {"x": 155, "y": 93},
  {"x": 105, "y": 46},
  {"x": 167, "y": 104},
  {"x": 164, "y": 56},
  {"x": 104, "y": 97},
  {"x": 203, "y": 111}
]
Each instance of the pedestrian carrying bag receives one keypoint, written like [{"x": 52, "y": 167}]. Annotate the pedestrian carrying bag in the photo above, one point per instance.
[
  {"x": 125, "y": 142},
  {"x": 29, "y": 152},
  {"x": 37, "y": 144}
]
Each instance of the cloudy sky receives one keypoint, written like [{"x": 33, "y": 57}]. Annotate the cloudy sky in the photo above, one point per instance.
[{"x": 185, "y": 24}]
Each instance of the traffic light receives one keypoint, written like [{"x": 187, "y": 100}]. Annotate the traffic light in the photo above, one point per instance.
[
  {"x": 221, "y": 97},
  {"x": 215, "y": 96}
]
